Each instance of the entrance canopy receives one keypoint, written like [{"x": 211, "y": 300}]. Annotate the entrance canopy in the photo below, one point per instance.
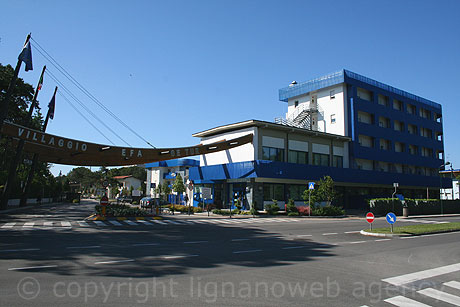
[{"x": 60, "y": 150}]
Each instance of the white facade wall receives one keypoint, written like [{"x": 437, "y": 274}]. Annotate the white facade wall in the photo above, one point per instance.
[
  {"x": 298, "y": 145},
  {"x": 332, "y": 117},
  {"x": 246, "y": 152}
]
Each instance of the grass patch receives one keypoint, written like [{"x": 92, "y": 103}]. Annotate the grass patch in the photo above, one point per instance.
[{"x": 419, "y": 229}]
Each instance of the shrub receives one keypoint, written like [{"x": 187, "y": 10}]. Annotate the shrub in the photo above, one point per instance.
[
  {"x": 381, "y": 206},
  {"x": 116, "y": 210},
  {"x": 293, "y": 214},
  {"x": 304, "y": 210},
  {"x": 290, "y": 207},
  {"x": 197, "y": 209},
  {"x": 253, "y": 211},
  {"x": 135, "y": 203},
  {"x": 272, "y": 209},
  {"x": 75, "y": 201},
  {"x": 328, "y": 210}
]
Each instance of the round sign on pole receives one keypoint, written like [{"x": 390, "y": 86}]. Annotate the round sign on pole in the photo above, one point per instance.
[
  {"x": 370, "y": 217},
  {"x": 104, "y": 201}
]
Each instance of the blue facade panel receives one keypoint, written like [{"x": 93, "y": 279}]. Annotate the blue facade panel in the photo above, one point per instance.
[
  {"x": 281, "y": 170},
  {"x": 173, "y": 163}
]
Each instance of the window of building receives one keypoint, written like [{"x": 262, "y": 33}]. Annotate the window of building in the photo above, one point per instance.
[
  {"x": 337, "y": 161},
  {"x": 384, "y": 144},
  {"x": 332, "y": 118},
  {"x": 365, "y": 164},
  {"x": 411, "y": 109},
  {"x": 364, "y": 94},
  {"x": 384, "y": 122},
  {"x": 296, "y": 104},
  {"x": 366, "y": 141},
  {"x": 383, "y": 166},
  {"x": 299, "y": 157},
  {"x": 425, "y": 132},
  {"x": 383, "y": 100},
  {"x": 412, "y": 129},
  {"x": 296, "y": 191},
  {"x": 439, "y": 136},
  {"x": 366, "y": 118},
  {"x": 427, "y": 152},
  {"x": 399, "y": 147},
  {"x": 398, "y": 126},
  {"x": 332, "y": 94},
  {"x": 413, "y": 149},
  {"x": 397, "y": 105},
  {"x": 273, "y": 191},
  {"x": 425, "y": 113},
  {"x": 437, "y": 117},
  {"x": 273, "y": 154},
  {"x": 320, "y": 159}
]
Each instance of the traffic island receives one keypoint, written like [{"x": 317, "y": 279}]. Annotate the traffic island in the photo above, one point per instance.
[{"x": 412, "y": 230}]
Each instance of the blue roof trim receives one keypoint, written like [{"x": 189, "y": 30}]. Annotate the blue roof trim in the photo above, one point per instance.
[
  {"x": 339, "y": 77},
  {"x": 312, "y": 85},
  {"x": 173, "y": 163}
]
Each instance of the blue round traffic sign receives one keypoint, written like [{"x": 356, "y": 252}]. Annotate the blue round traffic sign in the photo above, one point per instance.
[{"x": 391, "y": 218}]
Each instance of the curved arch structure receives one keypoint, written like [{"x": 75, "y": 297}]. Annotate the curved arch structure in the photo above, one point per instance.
[{"x": 56, "y": 149}]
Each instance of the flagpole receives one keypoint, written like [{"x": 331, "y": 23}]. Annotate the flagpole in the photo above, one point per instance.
[
  {"x": 9, "y": 92},
  {"x": 30, "y": 176},
  {"x": 14, "y": 163}
]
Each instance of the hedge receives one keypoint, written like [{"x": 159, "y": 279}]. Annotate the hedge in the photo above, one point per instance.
[
  {"x": 381, "y": 206},
  {"x": 118, "y": 210}
]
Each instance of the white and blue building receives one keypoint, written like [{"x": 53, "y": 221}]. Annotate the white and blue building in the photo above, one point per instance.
[{"x": 365, "y": 134}]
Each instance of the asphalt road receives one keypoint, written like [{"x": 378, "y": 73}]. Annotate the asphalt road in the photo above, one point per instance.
[{"x": 49, "y": 257}]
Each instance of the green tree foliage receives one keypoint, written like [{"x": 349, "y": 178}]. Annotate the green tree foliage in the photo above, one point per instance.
[
  {"x": 165, "y": 189},
  {"x": 178, "y": 185},
  {"x": 43, "y": 183},
  {"x": 323, "y": 192}
]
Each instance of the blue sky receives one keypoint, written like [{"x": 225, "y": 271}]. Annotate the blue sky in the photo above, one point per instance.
[{"x": 172, "y": 68}]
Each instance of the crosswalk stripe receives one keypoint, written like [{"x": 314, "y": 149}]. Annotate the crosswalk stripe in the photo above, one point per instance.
[
  {"x": 66, "y": 224},
  {"x": 441, "y": 296},
  {"x": 48, "y": 224},
  {"x": 83, "y": 224},
  {"x": 170, "y": 222},
  {"x": 453, "y": 284},
  {"x": 29, "y": 224},
  {"x": 100, "y": 223},
  {"x": 158, "y": 222},
  {"x": 144, "y": 222},
  {"x": 408, "y": 278},
  {"x": 405, "y": 302},
  {"x": 116, "y": 223},
  {"x": 130, "y": 222},
  {"x": 8, "y": 225}
]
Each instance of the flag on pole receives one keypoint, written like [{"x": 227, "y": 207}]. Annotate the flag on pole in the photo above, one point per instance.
[
  {"x": 26, "y": 56},
  {"x": 51, "y": 106},
  {"x": 40, "y": 83}
]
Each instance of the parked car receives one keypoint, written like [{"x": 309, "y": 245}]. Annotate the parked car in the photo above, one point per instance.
[
  {"x": 147, "y": 202},
  {"x": 127, "y": 199}
]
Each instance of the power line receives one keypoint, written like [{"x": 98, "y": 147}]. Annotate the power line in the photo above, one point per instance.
[
  {"x": 48, "y": 72},
  {"x": 84, "y": 90}
]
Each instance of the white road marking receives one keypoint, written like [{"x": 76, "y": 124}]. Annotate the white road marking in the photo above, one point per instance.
[
  {"x": 408, "y": 278},
  {"x": 179, "y": 256},
  {"x": 116, "y": 223},
  {"x": 83, "y": 224},
  {"x": 32, "y": 267},
  {"x": 404, "y": 302},
  {"x": 89, "y": 246},
  {"x": 330, "y": 233},
  {"x": 114, "y": 261},
  {"x": 66, "y": 224},
  {"x": 8, "y": 225},
  {"x": 171, "y": 222},
  {"x": 100, "y": 223},
  {"x": 357, "y": 242},
  {"x": 158, "y": 222},
  {"x": 48, "y": 224},
  {"x": 356, "y": 231},
  {"x": 381, "y": 240},
  {"x": 293, "y": 247},
  {"x": 237, "y": 240},
  {"x": 441, "y": 296},
  {"x": 144, "y": 222},
  {"x": 453, "y": 284},
  {"x": 304, "y": 235},
  {"x": 247, "y": 251},
  {"x": 195, "y": 242},
  {"x": 29, "y": 224},
  {"x": 130, "y": 222},
  {"x": 19, "y": 250},
  {"x": 144, "y": 244}
]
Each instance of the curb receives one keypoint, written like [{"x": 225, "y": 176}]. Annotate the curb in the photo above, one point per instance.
[{"x": 383, "y": 235}]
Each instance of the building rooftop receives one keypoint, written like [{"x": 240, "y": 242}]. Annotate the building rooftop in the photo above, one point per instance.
[
  {"x": 264, "y": 124},
  {"x": 340, "y": 77}
]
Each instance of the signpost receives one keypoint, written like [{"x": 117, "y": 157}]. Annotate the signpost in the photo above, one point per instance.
[
  {"x": 104, "y": 202},
  {"x": 391, "y": 219},
  {"x": 206, "y": 194},
  {"x": 311, "y": 186},
  {"x": 370, "y": 218}
]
